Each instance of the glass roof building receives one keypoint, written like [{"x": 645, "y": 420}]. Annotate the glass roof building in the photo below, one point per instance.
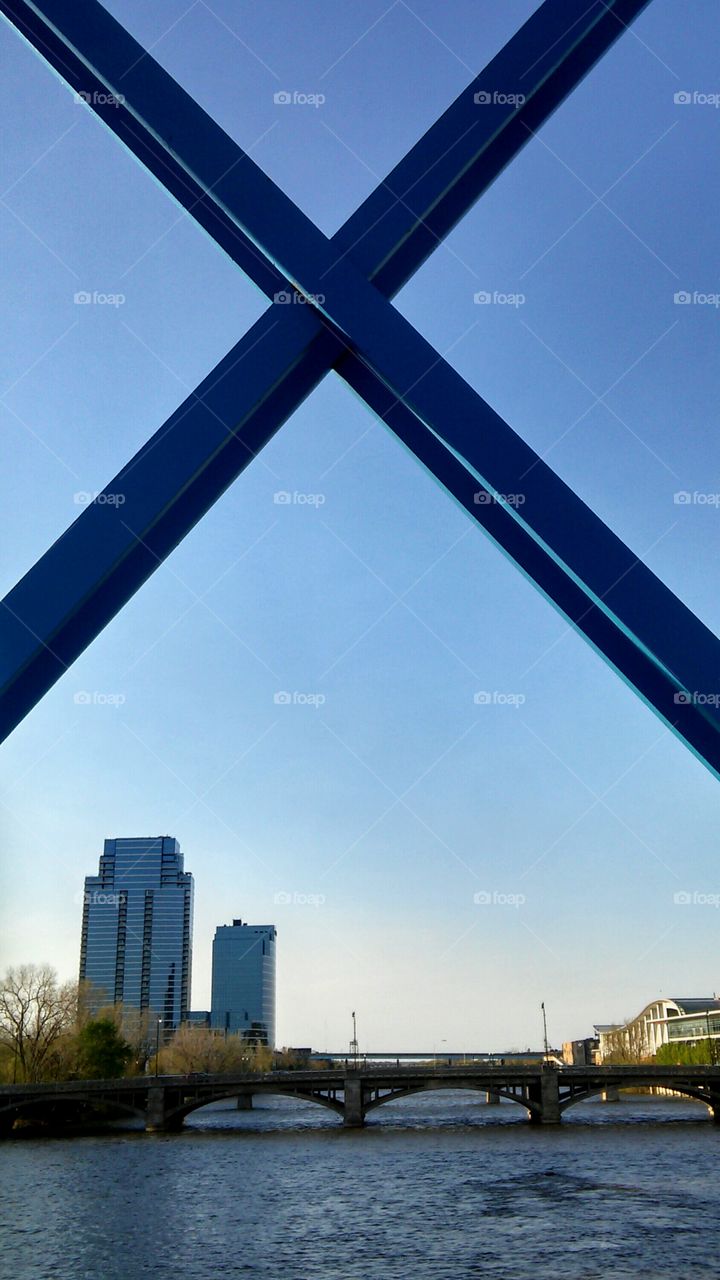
[
  {"x": 136, "y": 945},
  {"x": 666, "y": 1020},
  {"x": 243, "y": 981}
]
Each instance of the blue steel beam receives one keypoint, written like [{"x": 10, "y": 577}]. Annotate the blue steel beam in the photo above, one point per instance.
[
  {"x": 96, "y": 566},
  {"x": 370, "y": 326}
]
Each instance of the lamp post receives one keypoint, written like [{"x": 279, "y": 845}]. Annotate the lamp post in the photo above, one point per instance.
[
  {"x": 545, "y": 1039},
  {"x": 354, "y": 1043},
  {"x": 157, "y": 1043},
  {"x": 711, "y": 1042}
]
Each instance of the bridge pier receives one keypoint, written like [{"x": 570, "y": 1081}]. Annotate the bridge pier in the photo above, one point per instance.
[
  {"x": 492, "y": 1099},
  {"x": 354, "y": 1112},
  {"x": 245, "y": 1102},
  {"x": 610, "y": 1095},
  {"x": 546, "y": 1096},
  {"x": 155, "y": 1110}
]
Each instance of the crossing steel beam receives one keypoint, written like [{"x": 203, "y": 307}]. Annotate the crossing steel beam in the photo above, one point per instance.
[{"x": 641, "y": 628}]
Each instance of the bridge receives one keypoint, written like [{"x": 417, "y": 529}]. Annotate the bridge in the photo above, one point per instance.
[{"x": 162, "y": 1102}]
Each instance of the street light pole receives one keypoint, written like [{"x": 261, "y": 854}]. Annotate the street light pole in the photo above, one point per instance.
[
  {"x": 354, "y": 1043},
  {"x": 545, "y": 1039},
  {"x": 157, "y": 1043},
  {"x": 711, "y": 1042}
]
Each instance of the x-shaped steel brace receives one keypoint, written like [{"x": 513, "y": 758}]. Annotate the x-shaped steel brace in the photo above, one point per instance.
[{"x": 659, "y": 647}]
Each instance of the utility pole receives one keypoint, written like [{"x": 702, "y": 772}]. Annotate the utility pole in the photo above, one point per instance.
[
  {"x": 157, "y": 1043},
  {"x": 711, "y": 1042},
  {"x": 545, "y": 1039},
  {"x": 353, "y": 1042}
]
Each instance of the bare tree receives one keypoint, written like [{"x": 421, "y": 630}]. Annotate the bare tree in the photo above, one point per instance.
[
  {"x": 35, "y": 1013},
  {"x": 200, "y": 1049},
  {"x": 626, "y": 1044}
]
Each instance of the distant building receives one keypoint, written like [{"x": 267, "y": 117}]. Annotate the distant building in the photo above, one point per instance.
[
  {"x": 136, "y": 945},
  {"x": 679, "y": 1020},
  {"x": 580, "y": 1053},
  {"x": 243, "y": 981}
]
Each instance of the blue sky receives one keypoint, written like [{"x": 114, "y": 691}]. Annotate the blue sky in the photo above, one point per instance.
[{"x": 385, "y": 805}]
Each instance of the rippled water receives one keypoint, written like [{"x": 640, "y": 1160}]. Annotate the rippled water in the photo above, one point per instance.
[{"x": 438, "y": 1187}]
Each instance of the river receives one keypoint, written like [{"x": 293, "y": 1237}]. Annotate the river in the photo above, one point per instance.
[{"x": 434, "y": 1188}]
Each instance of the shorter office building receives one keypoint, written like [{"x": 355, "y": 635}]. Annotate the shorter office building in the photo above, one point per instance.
[{"x": 243, "y": 981}]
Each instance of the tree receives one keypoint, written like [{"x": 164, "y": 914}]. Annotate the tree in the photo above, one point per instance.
[
  {"x": 682, "y": 1054},
  {"x": 35, "y": 1013},
  {"x": 200, "y": 1049},
  {"x": 103, "y": 1054},
  {"x": 626, "y": 1044}
]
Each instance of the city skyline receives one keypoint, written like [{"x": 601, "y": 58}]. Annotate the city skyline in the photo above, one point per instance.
[{"x": 358, "y": 718}]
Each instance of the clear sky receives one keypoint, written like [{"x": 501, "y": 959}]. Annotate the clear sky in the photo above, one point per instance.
[{"x": 379, "y": 811}]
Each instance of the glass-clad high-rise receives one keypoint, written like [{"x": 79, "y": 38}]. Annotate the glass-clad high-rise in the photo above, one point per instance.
[
  {"x": 136, "y": 943},
  {"x": 243, "y": 980}
]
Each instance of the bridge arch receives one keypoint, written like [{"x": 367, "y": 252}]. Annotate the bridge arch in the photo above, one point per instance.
[
  {"x": 688, "y": 1091},
  {"x": 13, "y": 1111},
  {"x": 394, "y": 1095},
  {"x": 176, "y": 1115}
]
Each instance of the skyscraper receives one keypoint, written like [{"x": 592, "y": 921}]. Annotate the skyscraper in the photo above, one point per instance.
[
  {"x": 136, "y": 943},
  {"x": 243, "y": 980}
]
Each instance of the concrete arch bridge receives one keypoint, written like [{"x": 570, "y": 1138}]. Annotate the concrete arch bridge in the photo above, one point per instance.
[{"x": 162, "y": 1102}]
